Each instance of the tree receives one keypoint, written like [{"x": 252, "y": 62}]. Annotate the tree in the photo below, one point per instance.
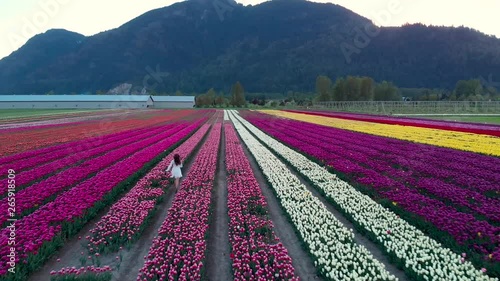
[
  {"x": 178, "y": 93},
  {"x": 467, "y": 88},
  {"x": 201, "y": 100},
  {"x": 219, "y": 100},
  {"x": 386, "y": 91},
  {"x": 49, "y": 93},
  {"x": 238, "y": 95},
  {"x": 339, "y": 90},
  {"x": 323, "y": 88},
  {"x": 352, "y": 88},
  {"x": 367, "y": 86},
  {"x": 210, "y": 96}
]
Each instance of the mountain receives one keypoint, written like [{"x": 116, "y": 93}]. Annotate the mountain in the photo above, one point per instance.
[{"x": 275, "y": 46}]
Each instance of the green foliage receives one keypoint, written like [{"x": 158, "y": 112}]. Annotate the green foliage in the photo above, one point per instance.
[
  {"x": 323, "y": 88},
  {"x": 386, "y": 91},
  {"x": 472, "y": 90},
  {"x": 355, "y": 88},
  {"x": 238, "y": 95}
]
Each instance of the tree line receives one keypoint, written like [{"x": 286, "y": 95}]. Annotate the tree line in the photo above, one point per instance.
[
  {"x": 212, "y": 99},
  {"x": 355, "y": 88},
  {"x": 363, "y": 88}
]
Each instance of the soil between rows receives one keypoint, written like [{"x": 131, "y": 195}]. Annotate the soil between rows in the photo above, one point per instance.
[
  {"x": 219, "y": 265},
  {"x": 218, "y": 261},
  {"x": 132, "y": 258},
  {"x": 304, "y": 266},
  {"x": 359, "y": 238}
]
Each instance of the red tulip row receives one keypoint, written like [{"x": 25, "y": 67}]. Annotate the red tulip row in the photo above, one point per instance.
[
  {"x": 178, "y": 252},
  {"x": 126, "y": 218},
  {"x": 34, "y": 159},
  {"x": 69, "y": 212},
  {"x": 66, "y": 159},
  {"x": 34, "y": 138},
  {"x": 257, "y": 253},
  {"x": 43, "y": 191}
]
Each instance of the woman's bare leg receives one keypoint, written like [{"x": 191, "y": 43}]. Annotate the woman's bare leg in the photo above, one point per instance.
[{"x": 176, "y": 184}]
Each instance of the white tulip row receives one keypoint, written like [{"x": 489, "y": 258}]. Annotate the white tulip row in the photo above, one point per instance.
[
  {"x": 421, "y": 254},
  {"x": 331, "y": 244}
]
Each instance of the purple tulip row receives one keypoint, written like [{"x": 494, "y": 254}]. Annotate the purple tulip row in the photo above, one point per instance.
[
  {"x": 257, "y": 253},
  {"x": 354, "y": 155},
  {"x": 32, "y": 158},
  {"x": 68, "y": 158},
  {"x": 45, "y": 223},
  {"x": 472, "y": 171},
  {"x": 401, "y": 163},
  {"x": 476, "y": 172},
  {"x": 178, "y": 252},
  {"x": 39, "y": 192},
  {"x": 126, "y": 217}
]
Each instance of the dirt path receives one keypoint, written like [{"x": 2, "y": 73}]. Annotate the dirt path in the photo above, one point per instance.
[
  {"x": 132, "y": 257},
  {"x": 359, "y": 238},
  {"x": 304, "y": 267},
  {"x": 218, "y": 260}
]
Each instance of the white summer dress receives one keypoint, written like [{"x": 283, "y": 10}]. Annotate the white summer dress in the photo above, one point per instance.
[{"x": 176, "y": 170}]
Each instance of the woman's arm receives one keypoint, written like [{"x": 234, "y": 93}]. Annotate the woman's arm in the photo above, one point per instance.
[{"x": 170, "y": 166}]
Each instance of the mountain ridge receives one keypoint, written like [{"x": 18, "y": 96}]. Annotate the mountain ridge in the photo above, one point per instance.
[{"x": 275, "y": 46}]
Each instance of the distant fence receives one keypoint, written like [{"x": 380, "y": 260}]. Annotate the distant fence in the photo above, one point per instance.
[{"x": 413, "y": 107}]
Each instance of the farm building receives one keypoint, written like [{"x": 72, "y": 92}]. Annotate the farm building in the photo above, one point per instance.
[
  {"x": 173, "y": 101},
  {"x": 75, "y": 101}
]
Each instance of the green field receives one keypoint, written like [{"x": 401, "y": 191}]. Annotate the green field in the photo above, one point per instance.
[
  {"x": 17, "y": 113},
  {"x": 474, "y": 119}
]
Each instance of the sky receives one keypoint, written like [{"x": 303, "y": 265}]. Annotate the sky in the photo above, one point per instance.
[{"x": 22, "y": 19}]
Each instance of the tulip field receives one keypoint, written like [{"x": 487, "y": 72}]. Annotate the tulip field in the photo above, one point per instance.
[{"x": 265, "y": 195}]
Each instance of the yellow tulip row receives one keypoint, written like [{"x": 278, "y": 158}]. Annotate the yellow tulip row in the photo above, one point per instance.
[{"x": 463, "y": 141}]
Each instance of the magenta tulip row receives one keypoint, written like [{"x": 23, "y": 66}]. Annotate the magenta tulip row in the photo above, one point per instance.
[
  {"x": 423, "y": 171},
  {"x": 34, "y": 158},
  {"x": 45, "y": 223},
  {"x": 40, "y": 192},
  {"x": 257, "y": 253},
  {"x": 178, "y": 251},
  {"x": 126, "y": 217},
  {"x": 333, "y": 148},
  {"x": 68, "y": 158}
]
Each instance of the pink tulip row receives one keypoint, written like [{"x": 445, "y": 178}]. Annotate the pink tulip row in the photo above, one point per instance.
[
  {"x": 34, "y": 158},
  {"x": 68, "y": 159},
  {"x": 178, "y": 252},
  {"x": 42, "y": 191},
  {"x": 82, "y": 271},
  {"x": 257, "y": 253},
  {"x": 72, "y": 207},
  {"x": 98, "y": 131},
  {"x": 126, "y": 217}
]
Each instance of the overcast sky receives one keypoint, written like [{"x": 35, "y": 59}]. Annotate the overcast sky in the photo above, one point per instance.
[{"x": 22, "y": 19}]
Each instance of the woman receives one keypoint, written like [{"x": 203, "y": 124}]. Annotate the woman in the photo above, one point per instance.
[{"x": 175, "y": 166}]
